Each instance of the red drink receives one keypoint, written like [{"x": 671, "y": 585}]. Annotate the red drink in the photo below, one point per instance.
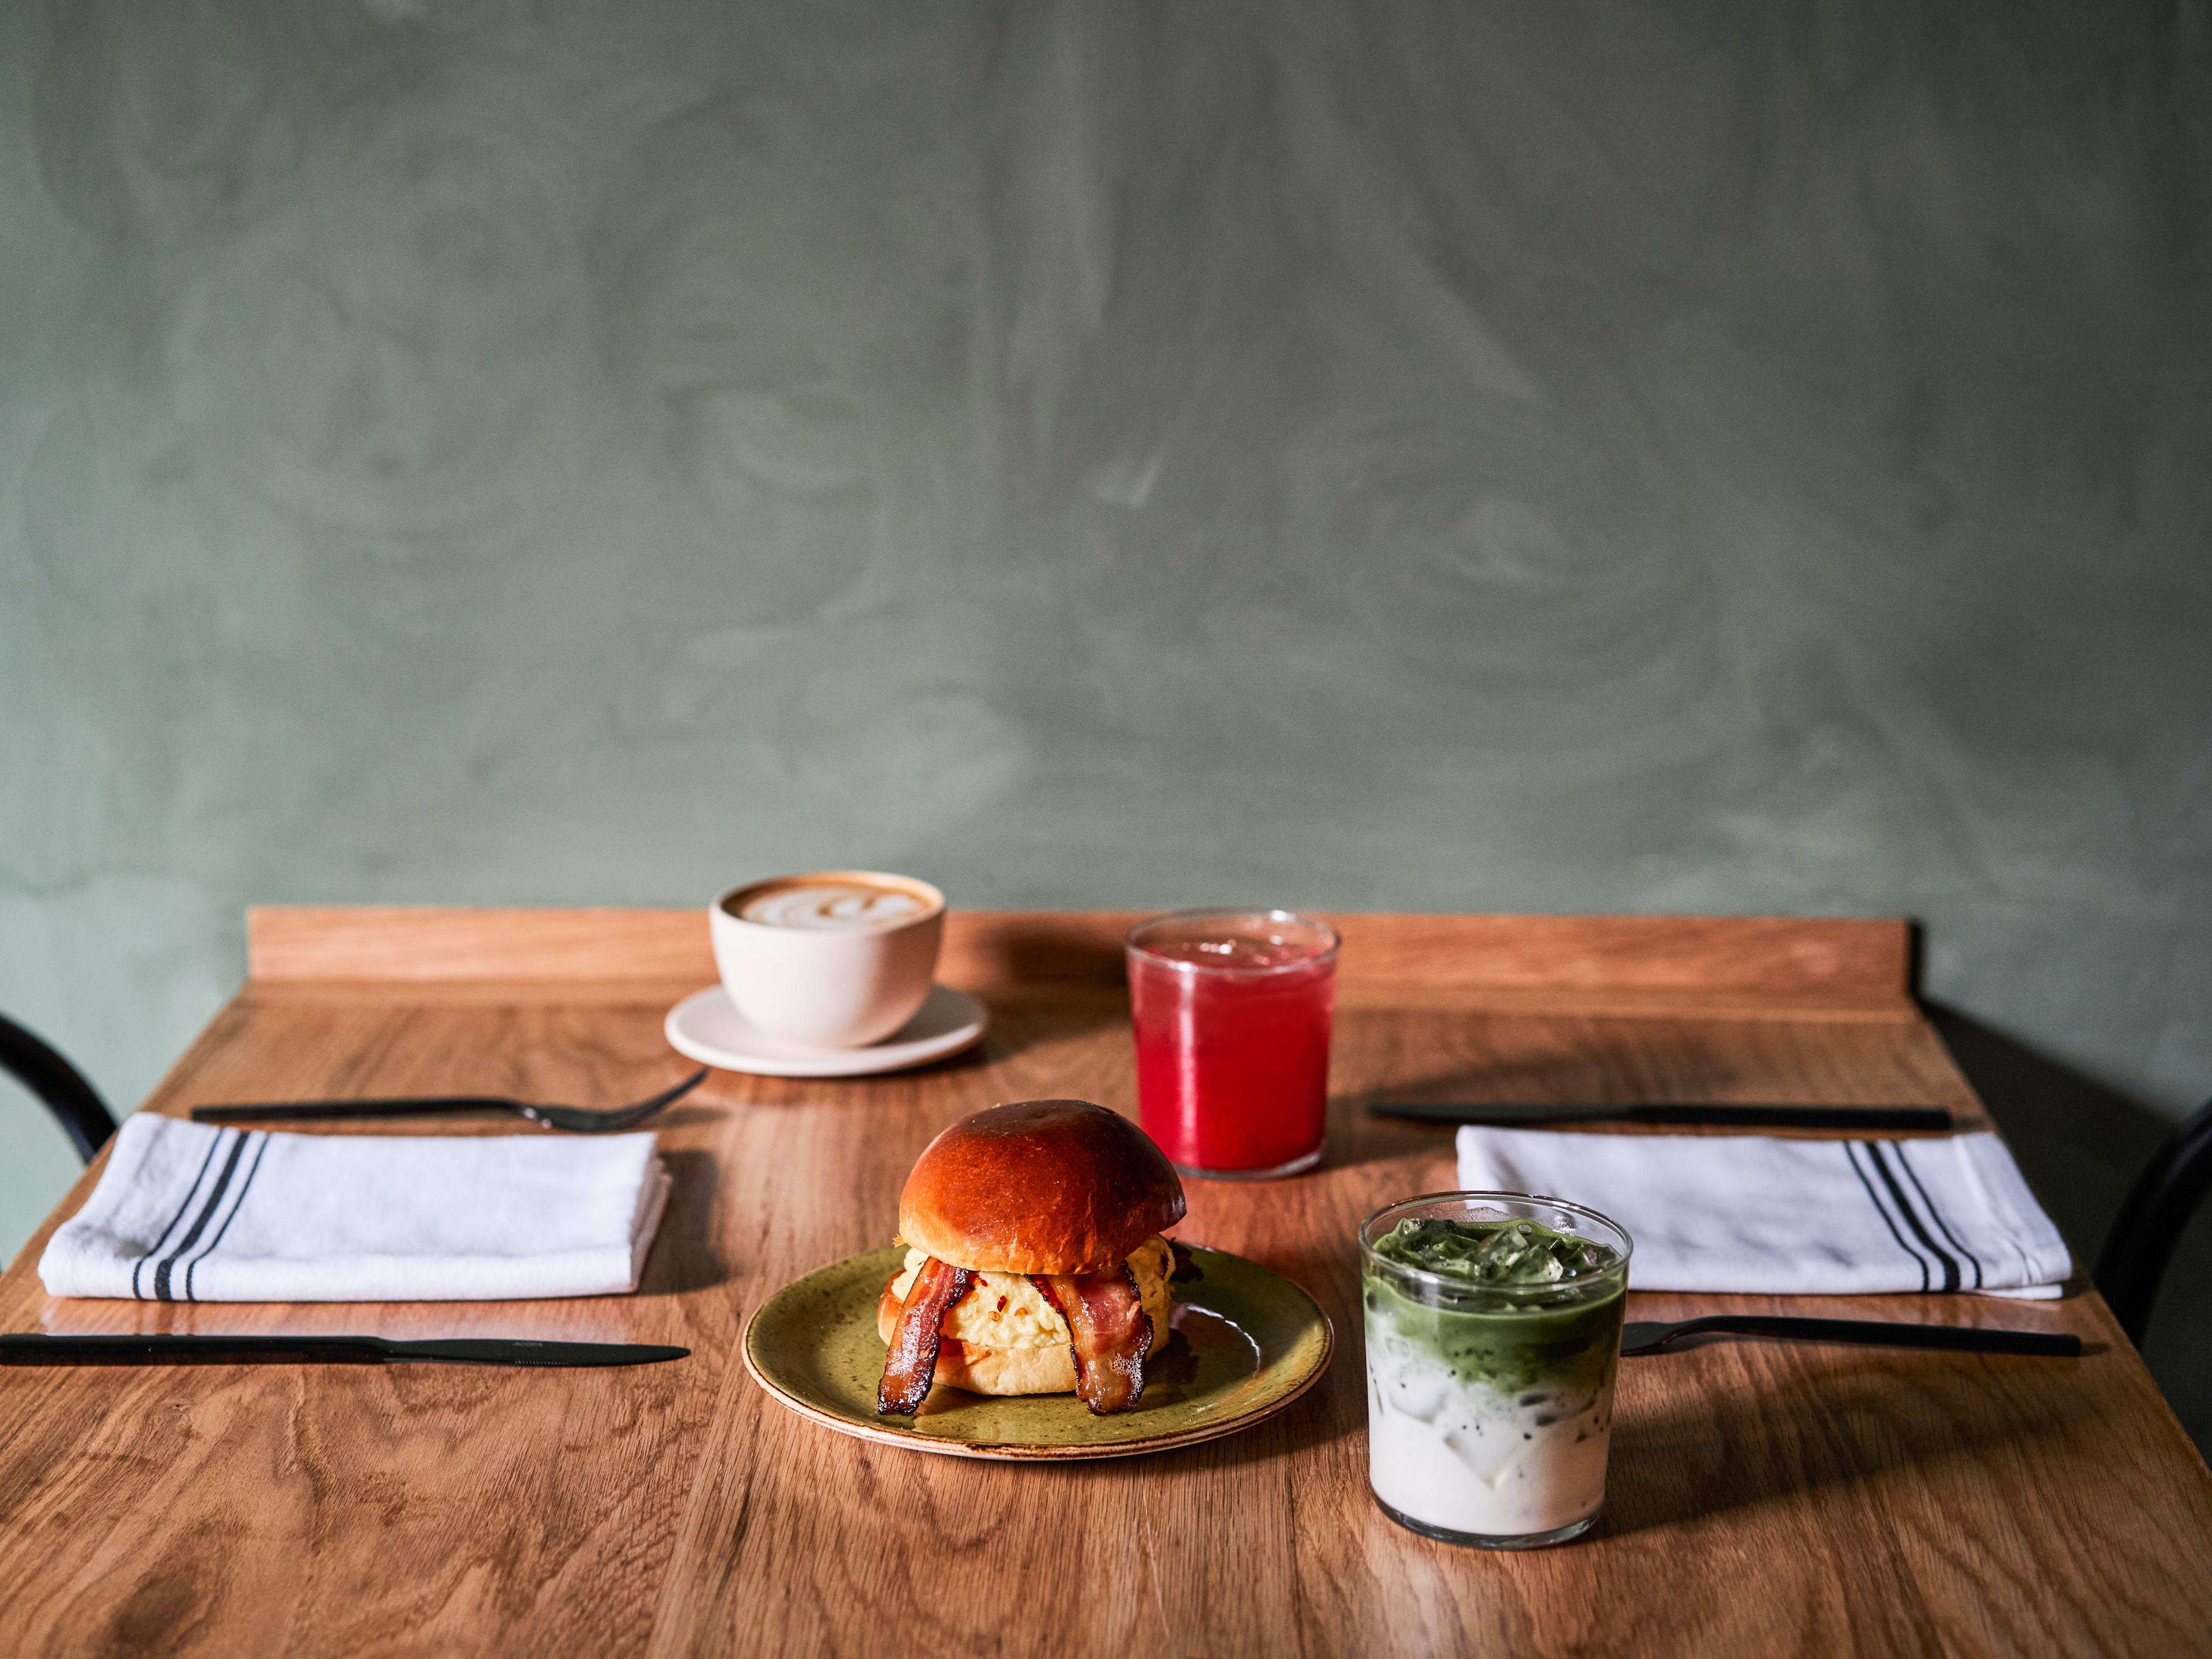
[{"x": 1231, "y": 1010}]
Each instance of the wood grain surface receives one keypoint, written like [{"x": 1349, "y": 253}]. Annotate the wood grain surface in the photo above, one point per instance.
[
  {"x": 1764, "y": 1497},
  {"x": 1761, "y": 963}
]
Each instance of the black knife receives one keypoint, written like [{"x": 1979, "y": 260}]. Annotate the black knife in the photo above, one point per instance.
[
  {"x": 1640, "y": 1336},
  {"x": 34, "y": 1348},
  {"x": 1741, "y": 1117}
]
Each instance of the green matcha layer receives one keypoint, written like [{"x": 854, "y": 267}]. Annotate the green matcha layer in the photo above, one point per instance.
[
  {"x": 1514, "y": 1305},
  {"x": 1513, "y": 1253}
]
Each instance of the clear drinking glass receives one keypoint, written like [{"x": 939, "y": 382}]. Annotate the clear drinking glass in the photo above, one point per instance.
[
  {"x": 1490, "y": 1399},
  {"x": 1231, "y": 1011}
]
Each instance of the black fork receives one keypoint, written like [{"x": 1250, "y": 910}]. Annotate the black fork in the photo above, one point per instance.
[{"x": 576, "y": 1119}]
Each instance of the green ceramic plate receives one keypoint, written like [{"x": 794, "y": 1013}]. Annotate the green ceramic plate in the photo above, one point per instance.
[{"x": 1244, "y": 1344}]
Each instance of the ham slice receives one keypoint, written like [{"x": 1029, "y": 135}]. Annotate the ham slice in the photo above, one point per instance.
[
  {"x": 1111, "y": 1336},
  {"x": 912, "y": 1366}
]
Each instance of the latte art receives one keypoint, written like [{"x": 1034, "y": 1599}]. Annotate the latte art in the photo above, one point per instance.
[{"x": 842, "y": 907}]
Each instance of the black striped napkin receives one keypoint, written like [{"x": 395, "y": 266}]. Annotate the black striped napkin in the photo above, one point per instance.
[
  {"x": 189, "y": 1213},
  {"x": 1757, "y": 1214}
]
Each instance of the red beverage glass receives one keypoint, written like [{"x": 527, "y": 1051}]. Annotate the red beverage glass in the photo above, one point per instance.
[{"x": 1232, "y": 1010}]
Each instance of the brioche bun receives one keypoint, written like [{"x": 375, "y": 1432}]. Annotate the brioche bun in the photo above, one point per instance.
[{"x": 1041, "y": 1187}]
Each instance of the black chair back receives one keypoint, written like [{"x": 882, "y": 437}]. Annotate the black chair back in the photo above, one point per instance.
[
  {"x": 2151, "y": 1221},
  {"x": 83, "y": 1116}
]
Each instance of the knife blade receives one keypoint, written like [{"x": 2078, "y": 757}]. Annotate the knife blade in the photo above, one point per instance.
[
  {"x": 1528, "y": 1114},
  {"x": 42, "y": 1348},
  {"x": 1643, "y": 1336}
]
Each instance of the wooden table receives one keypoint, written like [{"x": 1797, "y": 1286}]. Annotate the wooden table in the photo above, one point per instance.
[{"x": 1764, "y": 1497}]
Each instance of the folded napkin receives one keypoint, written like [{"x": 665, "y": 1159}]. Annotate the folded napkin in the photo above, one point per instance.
[
  {"x": 189, "y": 1213},
  {"x": 1753, "y": 1213}
]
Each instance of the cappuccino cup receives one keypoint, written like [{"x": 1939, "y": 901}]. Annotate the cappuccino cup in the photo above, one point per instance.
[{"x": 838, "y": 959}]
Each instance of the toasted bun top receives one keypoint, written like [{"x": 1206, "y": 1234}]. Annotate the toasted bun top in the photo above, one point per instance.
[{"x": 1042, "y": 1186}]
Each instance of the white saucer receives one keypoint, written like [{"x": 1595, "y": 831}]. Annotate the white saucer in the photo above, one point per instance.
[{"x": 707, "y": 1027}]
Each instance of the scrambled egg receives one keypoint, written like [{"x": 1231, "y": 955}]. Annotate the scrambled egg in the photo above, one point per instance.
[{"x": 1005, "y": 1310}]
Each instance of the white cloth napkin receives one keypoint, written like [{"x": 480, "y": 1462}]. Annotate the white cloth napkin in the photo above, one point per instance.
[
  {"x": 1757, "y": 1214},
  {"x": 188, "y": 1213}
]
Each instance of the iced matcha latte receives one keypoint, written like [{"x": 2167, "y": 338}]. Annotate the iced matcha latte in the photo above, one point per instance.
[{"x": 1493, "y": 1330}]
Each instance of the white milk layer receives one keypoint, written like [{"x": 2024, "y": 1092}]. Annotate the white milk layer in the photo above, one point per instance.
[
  {"x": 841, "y": 907},
  {"x": 1461, "y": 1455}
]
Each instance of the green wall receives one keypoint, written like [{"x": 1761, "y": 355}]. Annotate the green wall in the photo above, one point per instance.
[{"x": 1566, "y": 458}]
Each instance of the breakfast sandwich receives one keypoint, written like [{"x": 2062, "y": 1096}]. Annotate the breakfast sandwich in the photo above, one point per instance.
[{"x": 1035, "y": 1261}]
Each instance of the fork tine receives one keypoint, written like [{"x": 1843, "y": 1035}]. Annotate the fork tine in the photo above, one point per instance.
[
  {"x": 668, "y": 1096},
  {"x": 578, "y": 1120}
]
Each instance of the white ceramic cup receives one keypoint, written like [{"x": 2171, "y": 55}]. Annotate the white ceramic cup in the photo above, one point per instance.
[{"x": 827, "y": 986}]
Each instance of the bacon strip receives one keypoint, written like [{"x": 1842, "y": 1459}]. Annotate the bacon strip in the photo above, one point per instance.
[
  {"x": 1186, "y": 1265},
  {"x": 912, "y": 1366},
  {"x": 1111, "y": 1336}
]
